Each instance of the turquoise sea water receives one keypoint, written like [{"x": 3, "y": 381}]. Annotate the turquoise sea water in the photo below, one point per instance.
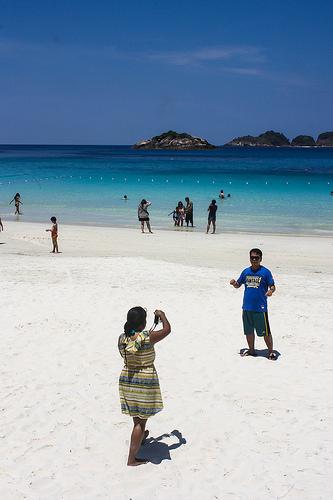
[{"x": 282, "y": 190}]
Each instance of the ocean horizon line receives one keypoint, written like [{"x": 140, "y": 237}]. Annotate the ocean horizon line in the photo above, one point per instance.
[{"x": 218, "y": 146}]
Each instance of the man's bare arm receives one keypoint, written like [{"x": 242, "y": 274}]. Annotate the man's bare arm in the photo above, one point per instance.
[
  {"x": 234, "y": 283},
  {"x": 270, "y": 291}
]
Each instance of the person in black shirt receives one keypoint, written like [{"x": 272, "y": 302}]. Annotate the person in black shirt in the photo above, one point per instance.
[{"x": 212, "y": 216}]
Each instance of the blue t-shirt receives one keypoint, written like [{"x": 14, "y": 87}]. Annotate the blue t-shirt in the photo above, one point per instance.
[{"x": 256, "y": 285}]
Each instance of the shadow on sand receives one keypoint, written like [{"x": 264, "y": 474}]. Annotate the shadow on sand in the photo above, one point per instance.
[
  {"x": 260, "y": 353},
  {"x": 155, "y": 451}
]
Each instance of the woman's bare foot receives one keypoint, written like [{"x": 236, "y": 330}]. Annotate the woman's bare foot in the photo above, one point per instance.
[
  {"x": 137, "y": 461},
  {"x": 145, "y": 435}
]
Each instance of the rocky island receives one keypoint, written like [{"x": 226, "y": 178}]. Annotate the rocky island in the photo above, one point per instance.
[
  {"x": 174, "y": 140},
  {"x": 303, "y": 141},
  {"x": 277, "y": 139},
  {"x": 325, "y": 139},
  {"x": 269, "y": 138}
]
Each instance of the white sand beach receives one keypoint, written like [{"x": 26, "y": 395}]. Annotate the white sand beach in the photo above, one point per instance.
[{"x": 254, "y": 429}]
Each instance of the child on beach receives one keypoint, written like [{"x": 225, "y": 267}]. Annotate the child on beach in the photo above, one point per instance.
[
  {"x": 174, "y": 214},
  {"x": 139, "y": 388},
  {"x": 54, "y": 234}
]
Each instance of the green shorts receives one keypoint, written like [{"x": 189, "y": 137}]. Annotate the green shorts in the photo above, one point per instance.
[{"x": 258, "y": 321}]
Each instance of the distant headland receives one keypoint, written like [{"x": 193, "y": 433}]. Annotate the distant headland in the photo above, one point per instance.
[
  {"x": 277, "y": 139},
  {"x": 184, "y": 141}
]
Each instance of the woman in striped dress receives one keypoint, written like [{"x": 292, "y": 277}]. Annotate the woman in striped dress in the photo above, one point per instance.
[{"x": 139, "y": 389}]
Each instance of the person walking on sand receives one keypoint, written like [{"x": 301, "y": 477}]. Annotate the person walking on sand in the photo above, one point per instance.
[
  {"x": 18, "y": 202},
  {"x": 212, "y": 216},
  {"x": 189, "y": 212},
  {"x": 259, "y": 284},
  {"x": 54, "y": 234},
  {"x": 139, "y": 389},
  {"x": 143, "y": 215}
]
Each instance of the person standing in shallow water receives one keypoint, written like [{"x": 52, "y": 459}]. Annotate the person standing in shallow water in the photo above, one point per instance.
[
  {"x": 259, "y": 284},
  {"x": 189, "y": 212},
  {"x": 139, "y": 389},
  {"x": 18, "y": 202},
  {"x": 212, "y": 216},
  {"x": 143, "y": 215},
  {"x": 180, "y": 213}
]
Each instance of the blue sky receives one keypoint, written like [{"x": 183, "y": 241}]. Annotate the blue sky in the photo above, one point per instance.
[{"x": 114, "y": 72}]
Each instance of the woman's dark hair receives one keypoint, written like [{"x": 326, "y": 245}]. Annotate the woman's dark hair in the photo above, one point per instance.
[
  {"x": 136, "y": 319},
  {"x": 213, "y": 202},
  {"x": 53, "y": 219},
  {"x": 17, "y": 194},
  {"x": 180, "y": 204},
  {"x": 143, "y": 202}
]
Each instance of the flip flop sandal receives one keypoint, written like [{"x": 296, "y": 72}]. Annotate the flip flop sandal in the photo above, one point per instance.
[
  {"x": 247, "y": 352},
  {"x": 141, "y": 460}
]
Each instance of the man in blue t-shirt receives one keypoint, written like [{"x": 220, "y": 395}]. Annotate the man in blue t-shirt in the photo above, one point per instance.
[{"x": 259, "y": 284}]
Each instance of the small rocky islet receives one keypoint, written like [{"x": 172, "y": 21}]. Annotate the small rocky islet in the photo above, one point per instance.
[
  {"x": 270, "y": 138},
  {"x": 174, "y": 140}
]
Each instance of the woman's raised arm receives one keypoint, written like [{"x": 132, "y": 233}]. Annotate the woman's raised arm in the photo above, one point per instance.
[{"x": 155, "y": 337}]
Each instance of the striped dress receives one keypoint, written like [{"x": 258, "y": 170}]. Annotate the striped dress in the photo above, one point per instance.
[{"x": 139, "y": 388}]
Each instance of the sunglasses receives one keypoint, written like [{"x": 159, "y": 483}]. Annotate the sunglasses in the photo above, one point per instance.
[{"x": 254, "y": 257}]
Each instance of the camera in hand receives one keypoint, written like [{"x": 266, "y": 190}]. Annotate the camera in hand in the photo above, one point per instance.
[{"x": 156, "y": 319}]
